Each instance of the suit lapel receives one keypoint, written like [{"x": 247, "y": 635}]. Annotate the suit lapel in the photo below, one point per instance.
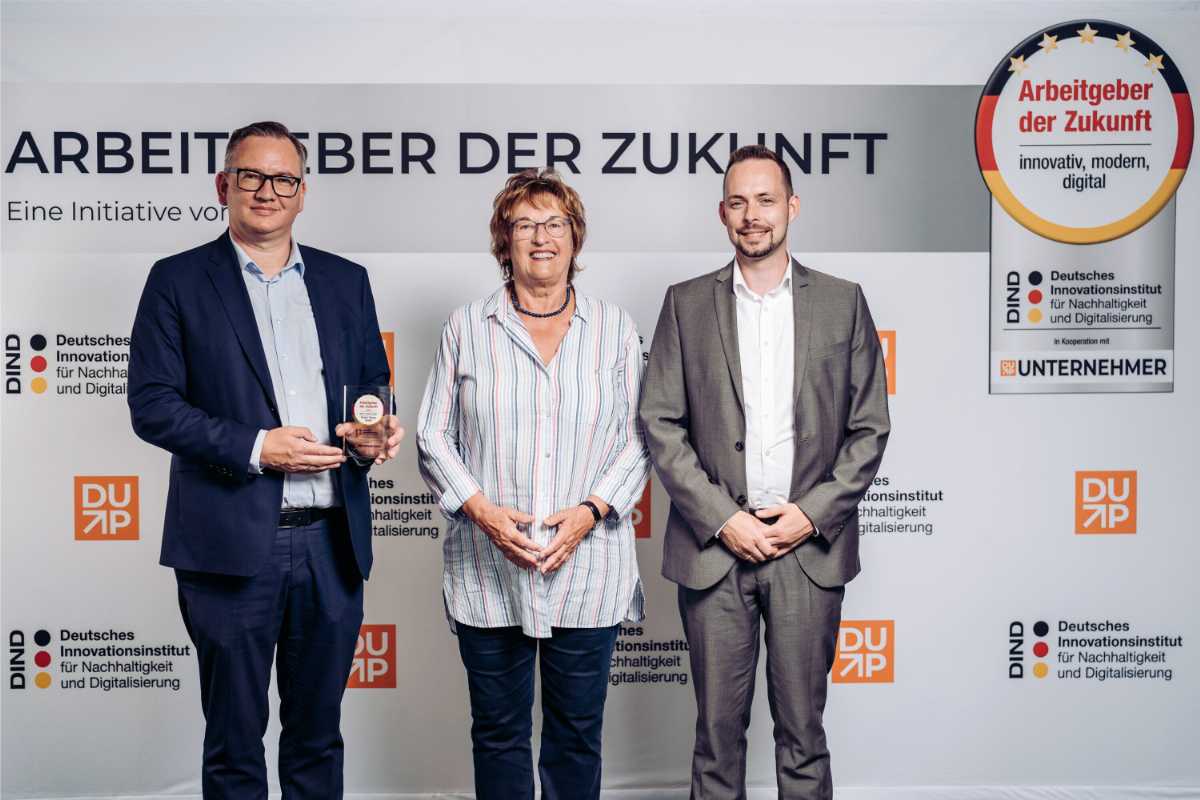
[
  {"x": 726, "y": 307},
  {"x": 320, "y": 296},
  {"x": 227, "y": 280},
  {"x": 802, "y": 320}
]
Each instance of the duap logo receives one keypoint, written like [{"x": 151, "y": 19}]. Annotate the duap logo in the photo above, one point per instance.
[
  {"x": 887, "y": 340},
  {"x": 1105, "y": 501},
  {"x": 641, "y": 515},
  {"x": 374, "y": 665},
  {"x": 389, "y": 346},
  {"x": 865, "y": 652},
  {"x": 1008, "y": 368},
  {"x": 106, "y": 508}
]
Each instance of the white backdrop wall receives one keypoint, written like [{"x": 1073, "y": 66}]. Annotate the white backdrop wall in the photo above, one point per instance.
[{"x": 991, "y": 479}]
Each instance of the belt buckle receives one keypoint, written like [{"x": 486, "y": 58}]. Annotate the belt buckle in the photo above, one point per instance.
[{"x": 295, "y": 518}]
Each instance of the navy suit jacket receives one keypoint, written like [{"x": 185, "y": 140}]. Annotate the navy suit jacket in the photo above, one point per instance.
[{"x": 199, "y": 388}]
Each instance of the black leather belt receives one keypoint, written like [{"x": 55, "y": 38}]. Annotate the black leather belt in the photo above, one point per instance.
[{"x": 303, "y": 517}]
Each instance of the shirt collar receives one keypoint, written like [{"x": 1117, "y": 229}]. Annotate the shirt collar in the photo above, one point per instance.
[
  {"x": 740, "y": 285},
  {"x": 246, "y": 263}
]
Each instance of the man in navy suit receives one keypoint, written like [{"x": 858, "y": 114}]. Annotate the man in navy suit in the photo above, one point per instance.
[{"x": 239, "y": 353}]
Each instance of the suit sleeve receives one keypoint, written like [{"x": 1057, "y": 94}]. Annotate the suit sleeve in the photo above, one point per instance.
[
  {"x": 665, "y": 420},
  {"x": 624, "y": 475},
  {"x": 158, "y": 378},
  {"x": 829, "y": 503}
]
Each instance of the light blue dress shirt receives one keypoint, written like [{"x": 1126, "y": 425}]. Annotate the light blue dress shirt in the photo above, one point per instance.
[{"x": 288, "y": 330}]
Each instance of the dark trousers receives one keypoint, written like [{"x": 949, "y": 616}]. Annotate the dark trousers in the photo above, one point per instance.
[
  {"x": 722, "y": 625},
  {"x": 575, "y": 664},
  {"x": 303, "y": 610}
]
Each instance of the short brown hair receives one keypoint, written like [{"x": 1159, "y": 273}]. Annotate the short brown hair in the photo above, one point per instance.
[
  {"x": 272, "y": 130},
  {"x": 532, "y": 185},
  {"x": 760, "y": 151}
]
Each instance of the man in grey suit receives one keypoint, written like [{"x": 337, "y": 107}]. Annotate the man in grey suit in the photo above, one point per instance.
[{"x": 766, "y": 429}]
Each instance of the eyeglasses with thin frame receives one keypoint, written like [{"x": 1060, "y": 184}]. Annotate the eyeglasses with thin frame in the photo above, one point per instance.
[
  {"x": 251, "y": 180},
  {"x": 524, "y": 228}
]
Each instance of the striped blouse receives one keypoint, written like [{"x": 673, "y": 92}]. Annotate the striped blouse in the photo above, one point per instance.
[{"x": 539, "y": 439}]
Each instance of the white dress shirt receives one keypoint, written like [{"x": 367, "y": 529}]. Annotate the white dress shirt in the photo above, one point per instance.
[{"x": 767, "y": 344}]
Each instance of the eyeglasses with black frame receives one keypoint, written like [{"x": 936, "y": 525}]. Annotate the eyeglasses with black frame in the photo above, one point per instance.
[
  {"x": 251, "y": 180},
  {"x": 523, "y": 228}
]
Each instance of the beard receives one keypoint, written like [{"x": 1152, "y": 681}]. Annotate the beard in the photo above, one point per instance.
[{"x": 768, "y": 245}]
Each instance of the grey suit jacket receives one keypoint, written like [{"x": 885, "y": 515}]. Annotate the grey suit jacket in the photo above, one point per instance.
[{"x": 691, "y": 412}]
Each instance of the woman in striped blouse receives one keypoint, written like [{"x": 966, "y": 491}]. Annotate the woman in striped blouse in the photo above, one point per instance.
[{"x": 528, "y": 436}]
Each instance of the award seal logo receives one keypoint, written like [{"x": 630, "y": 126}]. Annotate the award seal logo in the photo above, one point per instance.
[
  {"x": 1083, "y": 133},
  {"x": 368, "y": 410}
]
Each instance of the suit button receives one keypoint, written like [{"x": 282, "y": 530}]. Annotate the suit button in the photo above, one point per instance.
[
  {"x": 739, "y": 446},
  {"x": 741, "y": 499}
]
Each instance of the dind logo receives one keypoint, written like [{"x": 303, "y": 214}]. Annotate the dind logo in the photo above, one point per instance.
[
  {"x": 887, "y": 340},
  {"x": 374, "y": 665},
  {"x": 641, "y": 515},
  {"x": 1106, "y": 501},
  {"x": 106, "y": 507},
  {"x": 18, "y": 663},
  {"x": 865, "y": 652},
  {"x": 389, "y": 345},
  {"x": 12, "y": 364}
]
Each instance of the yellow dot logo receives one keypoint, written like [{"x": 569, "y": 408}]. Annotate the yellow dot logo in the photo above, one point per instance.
[
  {"x": 42, "y": 680},
  {"x": 38, "y": 385},
  {"x": 1035, "y": 315},
  {"x": 1040, "y": 670}
]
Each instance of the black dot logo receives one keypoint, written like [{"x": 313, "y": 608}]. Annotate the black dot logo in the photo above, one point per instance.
[
  {"x": 1040, "y": 629},
  {"x": 42, "y": 638},
  {"x": 37, "y": 342},
  {"x": 1035, "y": 278}
]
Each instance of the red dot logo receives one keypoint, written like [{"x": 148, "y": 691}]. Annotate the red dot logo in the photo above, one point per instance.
[
  {"x": 42, "y": 659},
  {"x": 1040, "y": 649},
  {"x": 1035, "y": 296}
]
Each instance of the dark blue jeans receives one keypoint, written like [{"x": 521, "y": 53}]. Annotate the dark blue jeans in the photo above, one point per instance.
[
  {"x": 499, "y": 664},
  {"x": 302, "y": 611}
]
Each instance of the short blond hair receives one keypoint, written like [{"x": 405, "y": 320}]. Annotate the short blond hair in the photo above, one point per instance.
[{"x": 533, "y": 186}]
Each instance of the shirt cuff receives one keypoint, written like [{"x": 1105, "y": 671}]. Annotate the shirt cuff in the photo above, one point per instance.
[
  {"x": 453, "y": 499},
  {"x": 256, "y": 454},
  {"x": 716, "y": 536}
]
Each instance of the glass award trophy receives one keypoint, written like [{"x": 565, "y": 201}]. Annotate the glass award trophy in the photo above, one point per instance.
[{"x": 366, "y": 408}]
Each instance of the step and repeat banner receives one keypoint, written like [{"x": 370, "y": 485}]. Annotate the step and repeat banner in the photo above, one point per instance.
[{"x": 1025, "y": 620}]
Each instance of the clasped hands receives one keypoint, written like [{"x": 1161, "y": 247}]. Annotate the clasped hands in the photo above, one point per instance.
[
  {"x": 500, "y": 524},
  {"x": 295, "y": 448},
  {"x": 751, "y": 539}
]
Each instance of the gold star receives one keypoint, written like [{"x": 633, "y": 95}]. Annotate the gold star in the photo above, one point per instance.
[
  {"x": 1018, "y": 64},
  {"x": 1155, "y": 62},
  {"x": 1125, "y": 41},
  {"x": 1048, "y": 43},
  {"x": 1087, "y": 35}
]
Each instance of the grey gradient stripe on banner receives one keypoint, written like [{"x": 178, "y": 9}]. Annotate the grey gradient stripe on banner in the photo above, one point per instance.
[{"x": 413, "y": 168}]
